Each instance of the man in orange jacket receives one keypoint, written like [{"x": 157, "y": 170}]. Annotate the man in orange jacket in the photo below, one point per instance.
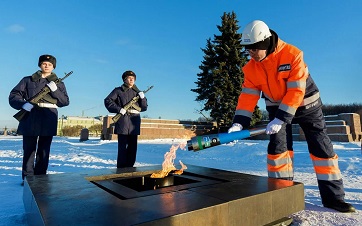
[{"x": 277, "y": 71}]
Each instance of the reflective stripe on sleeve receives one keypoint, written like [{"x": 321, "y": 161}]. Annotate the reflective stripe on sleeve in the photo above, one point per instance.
[
  {"x": 244, "y": 113},
  {"x": 251, "y": 91},
  {"x": 296, "y": 84},
  {"x": 287, "y": 109}
]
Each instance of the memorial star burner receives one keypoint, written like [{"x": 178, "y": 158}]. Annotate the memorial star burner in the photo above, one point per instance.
[{"x": 148, "y": 196}]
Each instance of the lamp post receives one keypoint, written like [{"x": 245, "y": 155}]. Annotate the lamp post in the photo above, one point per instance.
[{"x": 61, "y": 128}]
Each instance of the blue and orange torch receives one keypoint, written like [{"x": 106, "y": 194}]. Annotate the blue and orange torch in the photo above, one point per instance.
[{"x": 207, "y": 141}]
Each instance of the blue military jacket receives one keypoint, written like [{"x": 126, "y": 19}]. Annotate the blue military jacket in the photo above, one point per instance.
[
  {"x": 128, "y": 124},
  {"x": 41, "y": 121}
]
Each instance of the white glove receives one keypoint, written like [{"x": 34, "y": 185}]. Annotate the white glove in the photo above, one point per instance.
[
  {"x": 274, "y": 126},
  {"x": 122, "y": 111},
  {"x": 235, "y": 128},
  {"x": 141, "y": 94},
  {"x": 52, "y": 86},
  {"x": 28, "y": 106}
]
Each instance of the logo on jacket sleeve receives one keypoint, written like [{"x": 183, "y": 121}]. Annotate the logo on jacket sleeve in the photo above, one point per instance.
[{"x": 284, "y": 67}]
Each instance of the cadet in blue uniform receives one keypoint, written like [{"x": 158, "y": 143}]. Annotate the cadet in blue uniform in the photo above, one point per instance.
[
  {"x": 128, "y": 127},
  {"x": 40, "y": 125}
]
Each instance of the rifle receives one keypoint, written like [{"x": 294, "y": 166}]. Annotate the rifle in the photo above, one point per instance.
[
  {"x": 130, "y": 104},
  {"x": 35, "y": 99}
]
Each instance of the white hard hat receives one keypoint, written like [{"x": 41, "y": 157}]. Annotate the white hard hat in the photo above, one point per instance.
[{"x": 254, "y": 32}]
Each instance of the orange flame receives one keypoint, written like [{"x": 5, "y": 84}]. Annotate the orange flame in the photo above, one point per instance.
[
  {"x": 168, "y": 163},
  {"x": 180, "y": 171}
]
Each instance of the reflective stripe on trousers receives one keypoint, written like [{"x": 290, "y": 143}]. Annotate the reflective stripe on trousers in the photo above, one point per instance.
[
  {"x": 326, "y": 168},
  {"x": 281, "y": 165}
]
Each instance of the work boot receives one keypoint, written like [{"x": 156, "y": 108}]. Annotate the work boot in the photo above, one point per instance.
[{"x": 340, "y": 206}]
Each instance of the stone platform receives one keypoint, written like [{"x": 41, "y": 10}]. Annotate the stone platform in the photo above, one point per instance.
[{"x": 200, "y": 196}]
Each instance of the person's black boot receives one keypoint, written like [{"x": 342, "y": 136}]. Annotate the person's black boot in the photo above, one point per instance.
[{"x": 340, "y": 206}]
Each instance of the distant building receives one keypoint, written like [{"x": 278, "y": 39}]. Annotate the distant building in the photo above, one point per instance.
[
  {"x": 160, "y": 128},
  {"x": 85, "y": 122}
]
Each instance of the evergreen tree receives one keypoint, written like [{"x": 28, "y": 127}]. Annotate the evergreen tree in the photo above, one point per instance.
[
  {"x": 205, "y": 81},
  {"x": 221, "y": 76},
  {"x": 257, "y": 116}
]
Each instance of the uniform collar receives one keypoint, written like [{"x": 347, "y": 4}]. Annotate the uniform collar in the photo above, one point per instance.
[
  {"x": 37, "y": 76},
  {"x": 124, "y": 88}
]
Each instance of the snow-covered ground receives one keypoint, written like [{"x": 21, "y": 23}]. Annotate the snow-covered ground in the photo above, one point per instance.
[{"x": 68, "y": 155}]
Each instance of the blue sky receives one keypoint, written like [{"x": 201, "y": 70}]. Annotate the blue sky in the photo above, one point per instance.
[{"x": 161, "y": 42}]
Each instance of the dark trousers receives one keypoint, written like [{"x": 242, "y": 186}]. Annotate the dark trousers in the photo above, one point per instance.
[
  {"x": 36, "y": 155},
  {"x": 319, "y": 144},
  {"x": 127, "y": 150}
]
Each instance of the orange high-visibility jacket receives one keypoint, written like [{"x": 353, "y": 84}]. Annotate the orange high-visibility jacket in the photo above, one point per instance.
[{"x": 282, "y": 77}]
